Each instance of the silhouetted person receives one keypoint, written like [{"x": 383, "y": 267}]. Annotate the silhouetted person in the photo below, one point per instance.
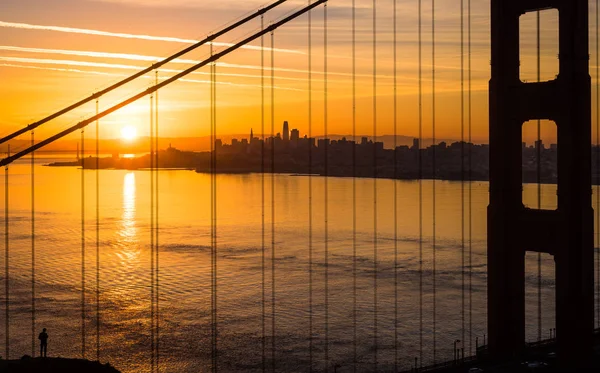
[{"x": 43, "y": 337}]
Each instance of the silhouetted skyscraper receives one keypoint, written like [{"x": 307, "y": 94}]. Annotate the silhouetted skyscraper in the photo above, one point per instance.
[
  {"x": 539, "y": 144},
  {"x": 416, "y": 144},
  {"x": 286, "y": 131},
  {"x": 295, "y": 135}
]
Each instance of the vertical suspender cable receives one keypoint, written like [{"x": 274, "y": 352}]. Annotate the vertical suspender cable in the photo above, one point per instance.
[
  {"x": 354, "y": 261},
  {"x": 434, "y": 176},
  {"x": 462, "y": 162},
  {"x": 262, "y": 168},
  {"x": 214, "y": 214},
  {"x": 273, "y": 344},
  {"x": 310, "y": 205},
  {"x": 216, "y": 262},
  {"x": 216, "y": 278},
  {"x": 152, "y": 360},
  {"x": 597, "y": 169},
  {"x": 212, "y": 236},
  {"x": 539, "y": 188},
  {"x": 470, "y": 185},
  {"x": 212, "y": 243},
  {"x": 420, "y": 155},
  {"x": 375, "y": 331},
  {"x": 326, "y": 184},
  {"x": 32, "y": 247},
  {"x": 97, "y": 235},
  {"x": 83, "y": 244},
  {"x": 395, "y": 20},
  {"x": 212, "y": 196},
  {"x": 156, "y": 219},
  {"x": 6, "y": 264}
]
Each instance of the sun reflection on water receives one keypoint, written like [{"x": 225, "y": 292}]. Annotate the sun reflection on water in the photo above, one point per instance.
[{"x": 128, "y": 232}]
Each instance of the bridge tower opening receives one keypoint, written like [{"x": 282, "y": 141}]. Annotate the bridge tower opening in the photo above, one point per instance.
[{"x": 567, "y": 232}]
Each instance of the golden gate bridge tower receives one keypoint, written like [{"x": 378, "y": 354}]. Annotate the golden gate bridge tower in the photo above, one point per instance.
[{"x": 567, "y": 232}]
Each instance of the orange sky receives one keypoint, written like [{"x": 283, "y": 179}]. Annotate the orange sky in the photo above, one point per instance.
[{"x": 43, "y": 68}]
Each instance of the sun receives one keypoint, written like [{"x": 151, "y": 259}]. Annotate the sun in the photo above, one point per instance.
[{"x": 128, "y": 133}]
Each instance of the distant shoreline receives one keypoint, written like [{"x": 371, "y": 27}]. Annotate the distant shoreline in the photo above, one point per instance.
[{"x": 294, "y": 174}]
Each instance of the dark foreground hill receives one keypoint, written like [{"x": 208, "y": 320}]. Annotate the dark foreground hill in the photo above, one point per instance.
[{"x": 54, "y": 365}]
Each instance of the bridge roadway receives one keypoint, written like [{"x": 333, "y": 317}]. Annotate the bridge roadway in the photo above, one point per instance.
[{"x": 538, "y": 357}]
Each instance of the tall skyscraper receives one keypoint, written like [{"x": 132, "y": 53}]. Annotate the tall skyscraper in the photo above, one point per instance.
[
  {"x": 416, "y": 144},
  {"x": 286, "y": 131},
  {"x": 295, "y": 135}
]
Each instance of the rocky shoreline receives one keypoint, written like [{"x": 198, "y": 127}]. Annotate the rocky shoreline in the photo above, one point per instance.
[{"x": 27, "y": 364}]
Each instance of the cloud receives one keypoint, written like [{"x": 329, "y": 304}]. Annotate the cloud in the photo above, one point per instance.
[
  {"x": 229, "y": 4},
  {"x": 125, "y": 56},
  {"x": 138, "y": 57},
  {"x": 70, "y": 70},
  {"x": 72, "y": 30}
]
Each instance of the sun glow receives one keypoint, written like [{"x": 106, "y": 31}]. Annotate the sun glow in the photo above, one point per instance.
[{"x": 128, "y": 133}]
